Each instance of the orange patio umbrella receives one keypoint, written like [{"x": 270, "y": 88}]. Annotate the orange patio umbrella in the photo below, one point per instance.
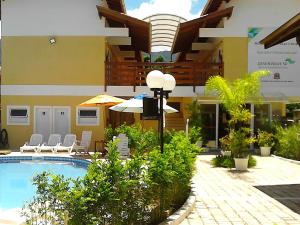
[{"x": 103, "y": 100}]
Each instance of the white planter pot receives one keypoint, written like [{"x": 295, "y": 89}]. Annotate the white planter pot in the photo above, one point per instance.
[
  {"x": 265, "y": 151},
  {"x": 226, "y": 153},
  {"x": 241, "y": 164}
]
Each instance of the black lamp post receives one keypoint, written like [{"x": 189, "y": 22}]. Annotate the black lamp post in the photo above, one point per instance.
[{"x": 162, "y": 85}]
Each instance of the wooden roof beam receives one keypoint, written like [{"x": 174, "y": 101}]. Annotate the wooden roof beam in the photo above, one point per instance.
[
  {"x": 119, "y": 40},
  {"x": 202, "y": 46},
  {"x": 127, "y": 54},
  {"x": 287, "y": 31},
  {"x": 192, "y": 56}
]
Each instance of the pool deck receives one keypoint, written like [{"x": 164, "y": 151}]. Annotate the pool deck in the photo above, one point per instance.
[{"x": 268, "y": 194}]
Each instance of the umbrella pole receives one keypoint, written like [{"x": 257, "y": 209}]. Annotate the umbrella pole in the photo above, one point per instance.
[{"x": 161, "y": 116}]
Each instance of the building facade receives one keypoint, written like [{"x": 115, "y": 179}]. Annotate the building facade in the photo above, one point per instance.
[
  {"x": 53, "y": 60},
  {"x": 57, "y": 54}
]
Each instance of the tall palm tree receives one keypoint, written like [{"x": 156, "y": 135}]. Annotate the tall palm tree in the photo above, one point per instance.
[{"x": 235, "y": 95}]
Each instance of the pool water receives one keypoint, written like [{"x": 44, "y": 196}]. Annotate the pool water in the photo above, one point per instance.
[{"x": 16, "y": 179}]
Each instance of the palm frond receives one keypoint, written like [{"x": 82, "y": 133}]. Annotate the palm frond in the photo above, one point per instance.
[
  {"x": 219, "y": 86},
  {"x": 235, "y": 95}
]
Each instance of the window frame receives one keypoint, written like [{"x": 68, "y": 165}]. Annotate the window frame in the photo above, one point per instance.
[
  {"x": 95, "y": 121},
  {"x": 9, "y": 118}
]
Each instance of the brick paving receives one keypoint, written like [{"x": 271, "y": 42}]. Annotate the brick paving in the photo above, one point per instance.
[{"x": 268, "y": 194}]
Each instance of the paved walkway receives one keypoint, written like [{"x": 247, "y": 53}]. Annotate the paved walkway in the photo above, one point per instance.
[{"x": 267, "y": 194}]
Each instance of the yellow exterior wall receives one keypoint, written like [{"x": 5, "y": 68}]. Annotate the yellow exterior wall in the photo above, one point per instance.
[
  {"x": 279, "y": 109},
  {"x": 70, "y": 61},
  {"x": 18, "y": 134},
  {"x": 235, "y": 56}
]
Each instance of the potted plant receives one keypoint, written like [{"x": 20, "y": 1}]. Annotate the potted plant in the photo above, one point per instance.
[
  {"x": 265, "y": 141},
  {"x": 225, "y": 145},
  {"x": 234, "y": 96},
  {"x": 240, "y": 141},
  {"x": 195, "y": 136}
]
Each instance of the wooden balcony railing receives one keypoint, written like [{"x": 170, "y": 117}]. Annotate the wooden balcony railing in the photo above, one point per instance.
[{"x": 134, "y": 73}]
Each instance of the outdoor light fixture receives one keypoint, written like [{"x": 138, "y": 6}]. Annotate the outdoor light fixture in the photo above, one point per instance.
[
  {"x": 52, "y": 40},
  {"x": 162, "y": 85}
]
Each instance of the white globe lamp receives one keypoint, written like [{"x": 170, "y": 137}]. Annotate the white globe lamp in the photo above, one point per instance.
[
  {"x": 169, "y": 83},
  {"x": 155, "y": 79}
]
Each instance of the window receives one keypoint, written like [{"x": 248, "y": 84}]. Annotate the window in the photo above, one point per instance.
[
  {"x": 22, "y": 113},
  {"x": 88, "y": 113},
  {"x": 87, "y": 116},
  {"x": 18, "y": 115}
]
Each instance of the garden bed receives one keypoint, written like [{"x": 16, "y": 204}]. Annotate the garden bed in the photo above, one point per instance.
[{"x": 144, "y": 189}]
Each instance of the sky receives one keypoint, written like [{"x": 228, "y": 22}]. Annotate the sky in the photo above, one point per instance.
[{"x": 188, "y": 9}]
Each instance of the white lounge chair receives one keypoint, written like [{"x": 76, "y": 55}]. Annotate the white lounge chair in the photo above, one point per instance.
[
  {"x": 67, "y": 145},
  {"x": 53, "y": 142},
  {"x": 34, "y": 143},
  {"x": 85, "y": 142}
]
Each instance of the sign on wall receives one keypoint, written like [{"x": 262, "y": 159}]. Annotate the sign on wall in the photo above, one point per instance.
[{"x": 282, "y": 60}]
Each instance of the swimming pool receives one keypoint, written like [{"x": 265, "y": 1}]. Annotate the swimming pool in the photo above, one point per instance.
[{"x": 16, "y": 175}]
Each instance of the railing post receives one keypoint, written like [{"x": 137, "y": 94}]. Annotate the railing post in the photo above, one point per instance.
[
  {"x": 134, "y": 78},
  {"x": 194, "y": 76}
]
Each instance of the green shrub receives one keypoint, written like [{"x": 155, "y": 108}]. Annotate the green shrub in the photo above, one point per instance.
[
  {"x": 225, "y": 143},
  {"x": 228, "y": 161},
  {"x": 195, "y": 135},
  {"x": 239, "y": 141},
  {"x": 142, "y": 190},
  {"x": 265, "y": 139},
  {"x": 138, "y": 139},
  {"x": 109, "y": 133},
  {"x": 288, "y": 143},
  {"x": 223, "y": 161}
]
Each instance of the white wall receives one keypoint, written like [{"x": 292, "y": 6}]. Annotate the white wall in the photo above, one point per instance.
[
  {"x": 72, "y": 90},
  {"x": 258, "y": 13},
  {"x": 55, "y": 17}
]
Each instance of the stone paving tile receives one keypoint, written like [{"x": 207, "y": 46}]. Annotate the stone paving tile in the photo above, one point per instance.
[{"x": 229, "y": 197}]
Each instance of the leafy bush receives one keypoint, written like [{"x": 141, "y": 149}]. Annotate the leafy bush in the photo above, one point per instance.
[
  {"x": 288, "y": 142},
  {"x": 142, "y": 190},
  {"x": 265, "y": 139},
  {"x": 109, "y": 133},
  {"x": 159, "y": 58},
  {"x": 228, "y": 161},
  {"x": 223, "y": 161},
  {"x": 225, "y": 143},
  {"x": 239, "y": 142},
  {"x": 195, "y": 135},
  {"x": 138, "y": 139},
  {"x": 195, "y": 111}
]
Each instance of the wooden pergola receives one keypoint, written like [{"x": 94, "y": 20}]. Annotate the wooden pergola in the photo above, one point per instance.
[
  {"x": 117, "y": 5},
  {"x": 188, "y": 31},
  {"x": 287, "y": 31},
  {"x": 212, "y": 6},
  {"x": 139, "y": 31}
]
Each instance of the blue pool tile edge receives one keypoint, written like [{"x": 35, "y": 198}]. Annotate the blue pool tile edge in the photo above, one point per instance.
[{"x": 79, "y": 162}]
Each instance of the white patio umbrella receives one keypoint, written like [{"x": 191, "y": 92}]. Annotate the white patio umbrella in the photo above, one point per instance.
[{"x": 136, "y": 106}]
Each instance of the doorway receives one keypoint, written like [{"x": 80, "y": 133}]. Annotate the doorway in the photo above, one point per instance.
[{"x": 52, "y": 119}]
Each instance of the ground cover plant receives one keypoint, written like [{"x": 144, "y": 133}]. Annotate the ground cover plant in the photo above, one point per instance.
[
  {"x": 288, "y": 142},
  {"x": 142, "y": 190},
  {"x": 265, "y": 139},
  {"x": 228, "y": 161}
]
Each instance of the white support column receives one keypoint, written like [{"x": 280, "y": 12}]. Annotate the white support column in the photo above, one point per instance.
[
  {"x": 270, "y": 113},
  {"x": 217, "y": 125},
  {"x": 252, "y": 124}
]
